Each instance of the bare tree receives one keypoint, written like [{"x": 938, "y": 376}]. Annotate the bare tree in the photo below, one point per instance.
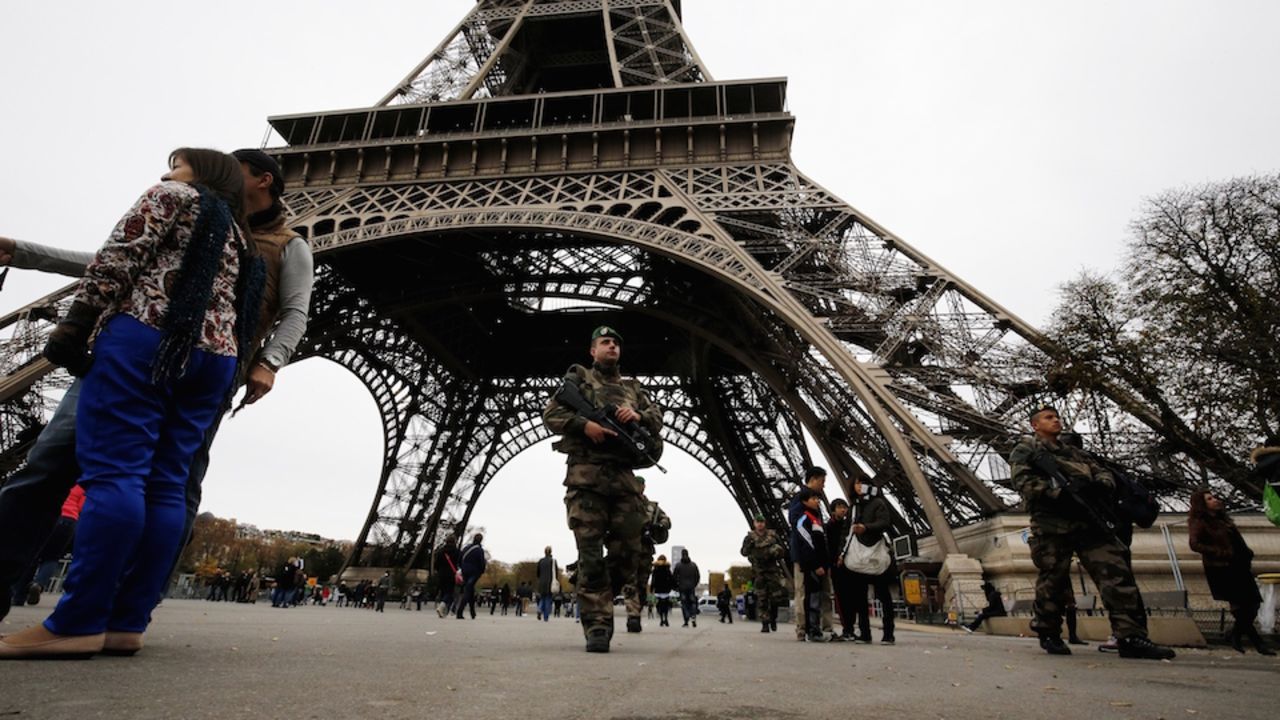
[{"x": 1190, "y": 324}]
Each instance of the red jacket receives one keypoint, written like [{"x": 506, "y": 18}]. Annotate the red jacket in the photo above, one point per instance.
[{"x": 71, "y": 506}]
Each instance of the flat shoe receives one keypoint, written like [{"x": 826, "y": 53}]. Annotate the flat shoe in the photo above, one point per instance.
[
  {"x": 122, "y": 643},
  {"x": 60, "y": 647}
]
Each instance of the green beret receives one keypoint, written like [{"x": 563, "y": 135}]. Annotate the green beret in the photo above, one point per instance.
[
  {"x": 605, "y": 331},
  {"x": 759, "y": 517}
]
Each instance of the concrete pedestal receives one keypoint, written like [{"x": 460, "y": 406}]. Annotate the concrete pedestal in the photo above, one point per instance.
[{"x": 961, "y": 578}]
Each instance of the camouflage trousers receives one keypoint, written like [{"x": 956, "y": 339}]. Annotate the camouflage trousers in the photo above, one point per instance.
[
  {"x": 605, "y": 509},
  {"x": 771, "y": 592},
  {"x": 633, "y": 588},
  {"x": 1106, "y": 561}
]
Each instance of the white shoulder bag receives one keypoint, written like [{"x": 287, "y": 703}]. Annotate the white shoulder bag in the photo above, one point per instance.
[{"x": 859, "y": 558}]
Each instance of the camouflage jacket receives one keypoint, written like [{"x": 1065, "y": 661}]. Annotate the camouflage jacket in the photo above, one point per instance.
[
  {"x": 600, "y": 390},
  {"x": 1051, "y": 509},
  {"x": 657, "y": 526},
  {"x": 764, "y": 550}
]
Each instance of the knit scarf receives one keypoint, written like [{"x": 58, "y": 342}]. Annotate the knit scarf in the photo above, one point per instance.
[{"x": 193, "y": 289}]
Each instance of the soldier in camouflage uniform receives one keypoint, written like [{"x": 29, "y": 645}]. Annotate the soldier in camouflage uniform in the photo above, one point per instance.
[
  {"x": 604, "y": 500},
  {"x": 1062, "y": 525},
  {"x": 635, "y": 589},
  {"x": 765, "y": 551}
]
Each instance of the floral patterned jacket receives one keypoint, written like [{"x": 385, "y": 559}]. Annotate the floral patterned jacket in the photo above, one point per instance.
[{"x": 135, "y": 270}]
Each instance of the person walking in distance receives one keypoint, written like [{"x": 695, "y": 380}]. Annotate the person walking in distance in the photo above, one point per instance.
[
  {"x": 687, "y": 578},
  {"x": 384, "y": 588},
  {"x": 448, "y": 575},
  {"x": 548, "y": 584},
  {"x": 473, "y": 564},
  {"x": 663, "y": 584},
  {"x": 725, "y": 604},
  {"x": 603, "y": 500}
]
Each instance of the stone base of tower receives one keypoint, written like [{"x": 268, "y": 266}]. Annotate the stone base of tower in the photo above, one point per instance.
[
  {"x": 961, "y": 579},
  {"x": 996, "y": 550}
]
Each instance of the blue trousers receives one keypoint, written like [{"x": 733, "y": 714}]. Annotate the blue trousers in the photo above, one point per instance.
[
  {"x": 544, "y": 606},
  {"x": 134, "y": 442},
  {"x": 31, "y": 500}
]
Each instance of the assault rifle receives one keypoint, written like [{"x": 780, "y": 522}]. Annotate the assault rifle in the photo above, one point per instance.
[
  {"x": 1045, "y": 463},
  {"x": 633, "y": 436}
]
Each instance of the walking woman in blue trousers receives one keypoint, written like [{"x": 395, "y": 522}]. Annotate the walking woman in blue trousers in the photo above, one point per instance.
[{"x": 156, "y": 331}]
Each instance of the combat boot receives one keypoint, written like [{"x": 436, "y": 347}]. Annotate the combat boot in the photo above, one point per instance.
[
  {"x": 598, "y": 640},
  {"x": 1053, "y": 645},
  {"x": 773, "y": 625},
  {"x": 633, "y": 624},
  {"x": 764, "y": 626},
  {"x": 1258, "y": 643},
  {"x": 1139, "y": 647}
]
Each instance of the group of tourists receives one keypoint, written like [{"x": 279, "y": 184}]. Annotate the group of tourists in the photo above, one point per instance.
[{"x": 199, "y": 290}]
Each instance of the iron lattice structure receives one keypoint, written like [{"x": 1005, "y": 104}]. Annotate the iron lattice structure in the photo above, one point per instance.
[{"x": 551, "y": 166}]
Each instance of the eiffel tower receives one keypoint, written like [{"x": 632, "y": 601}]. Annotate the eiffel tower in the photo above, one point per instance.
[{"x": 553, "y": 165}]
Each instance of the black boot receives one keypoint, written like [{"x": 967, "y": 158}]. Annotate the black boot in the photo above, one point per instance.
[
  {"x": 1072, "y": 637},
  {"x": 1138, "y": 646},
  {"x": 1236, "y": 638},
  {"x": 598, "y": 640},
  {"x": 1258, "y": 642},
  {"x": 764, "y": 626},
  {"x": 1053, "y": 645},
  {"x": 633, "y": 624}
]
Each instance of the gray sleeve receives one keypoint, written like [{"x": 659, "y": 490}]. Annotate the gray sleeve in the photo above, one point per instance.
[
  {"x": 297, "y": 273},
  {"x": 34, "y": 256}
]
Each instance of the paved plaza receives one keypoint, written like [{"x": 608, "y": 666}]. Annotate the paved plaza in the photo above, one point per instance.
[{"x": 220, "y": 660}]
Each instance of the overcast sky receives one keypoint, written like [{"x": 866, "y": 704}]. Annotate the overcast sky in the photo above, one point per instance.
[{"x": 1011, "y": 141}]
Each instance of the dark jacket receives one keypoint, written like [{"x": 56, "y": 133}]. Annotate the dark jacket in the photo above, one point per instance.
[
  {"x": 724, "y": 599},
  {"x": 1227, "y": 559},
  {"x": 795, "y": 510},
  {"x": 285, "y": 577},
  {"x": 662, "y": 582},
  {"x": 995, "y": 601},
  {"x": 809, "y": 542},
  {"x": 837, "y": 534},
  {"x": 546, "y": 573},
  {"x": 473, "y": 562},
  {"x": 875, "y": 513},
  {"x": 687, "y": 575},
  {"x": 446, "y": 555}
]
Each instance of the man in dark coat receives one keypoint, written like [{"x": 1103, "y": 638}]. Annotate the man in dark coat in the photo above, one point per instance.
[
  {"x": 687, "y": 577},
  {"x": 473, "y": 564}
]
